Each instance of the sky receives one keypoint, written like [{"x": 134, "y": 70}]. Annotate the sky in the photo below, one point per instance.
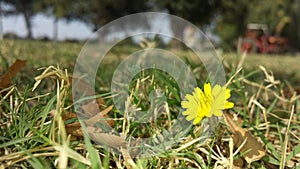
[{"x": 43, "y": 26}]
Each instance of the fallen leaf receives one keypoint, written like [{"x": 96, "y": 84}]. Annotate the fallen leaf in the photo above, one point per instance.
[
  {"x": 69, "y": 115},
  {"x": 99, "y": 116},
  {"x": 237, "y": 119},
  {"x": 13, "y": 70},
  {"x": 253, "y": 147},
  {"x": 238, "y": 163},
  {"x": 92, "y": 111},
  {"x": 101, "y": 102},
  {"x": 114, "y": 141},
  {"x": 75, "y": 130},
  {"x": 83, "y": 86},
  {"x": 108, "y": 139}
]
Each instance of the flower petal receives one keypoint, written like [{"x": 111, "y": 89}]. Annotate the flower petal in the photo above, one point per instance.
[
  {"x": 186, "y": 112},
  {"x": 190, "y": 105},
  {"x": 207, "y": 89},
  {"x": 229, "y": 105},
  {"x": 198, "y": 92},
  {"x": 189, "y": 97},
  {"x": 197, "y": 120},
  {"x": 217, "y": 89},
  {"x": 217, "y": 113},
  {"x": 207, "y": 103},
  {"x": 228, "y": 94},
  {"x": 191, "y": 116},
  {"x": 219, "y": 98},
  {"x": 209, "y": 114}
]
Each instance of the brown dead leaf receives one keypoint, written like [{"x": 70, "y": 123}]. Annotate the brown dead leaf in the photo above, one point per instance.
[
  {"x": 113, "y": 141},
  {"x": 254, "y": 148},
  {"x": 13, "y": 70},
  {"x": 75, "y": 130},
  {"x": 92, "y": 111},
  {"x": 99, "y": 116},
  {"x": 93, "y": 107},
  {"x": 237, "y": 119},
  {"x": 69, "y": 115},
  {"x": 108, "y": 139},
  {"x": 238, "y": 163},
  {"x": 83, "y": 86},
  {"x": 101, "y": 102}
]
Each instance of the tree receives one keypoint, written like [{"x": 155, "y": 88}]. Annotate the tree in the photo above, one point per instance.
[
  {"x": 274, "y": 13},
  {"x": 294, "y": 29},
  {"x": 280, "y": 16},
  {"x": 231, "y": 21},
  {"x": 25, "y": 8},
  {"x": 56, "y": 8},
  {"x": 198, "y": 12},
  {"x": 96, "y": 13},
  {"x": 1, "y": 23},
  {"x": 30, "y": 8}
]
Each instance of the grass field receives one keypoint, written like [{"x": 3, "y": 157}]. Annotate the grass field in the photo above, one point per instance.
[
  {"x": 39, "y": 129},
  {"x": 285, "y": 67}
]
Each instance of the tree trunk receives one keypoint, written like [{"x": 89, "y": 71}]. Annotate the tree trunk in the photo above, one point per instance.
[
  {"x": 27, "y": 18},
  {"x": 55, "y": 29},
  {"x": 1, "y": 22}
]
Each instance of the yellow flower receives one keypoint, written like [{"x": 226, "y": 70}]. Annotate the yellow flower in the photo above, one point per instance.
[{"x": 205, "y": 104}]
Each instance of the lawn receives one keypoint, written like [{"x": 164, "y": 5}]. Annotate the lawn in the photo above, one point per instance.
[
  {"x": 39, "y": 128},
  {"x": 284, "y": 67}
]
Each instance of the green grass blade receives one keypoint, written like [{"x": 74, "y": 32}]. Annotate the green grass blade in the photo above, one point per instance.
[
  {"x": 268, "y": 144},
  {"x": 13, "y": 142},
  {"x": 295, "y": 151},
  {"x": 271, "y": 160},
  {"x": 34, "y": 161},
  {"x": 46, "y": 110},
  {"x": 94, "y": 156}
]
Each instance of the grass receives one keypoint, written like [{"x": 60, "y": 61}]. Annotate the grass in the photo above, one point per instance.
[
  {"x": 35, "y": 133},
  {"x": 284, "y": 67}
]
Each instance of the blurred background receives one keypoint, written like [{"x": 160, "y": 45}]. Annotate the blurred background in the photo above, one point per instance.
[
  {"x": 269, "y": 26},
  {"x": 49, "y": 35}
]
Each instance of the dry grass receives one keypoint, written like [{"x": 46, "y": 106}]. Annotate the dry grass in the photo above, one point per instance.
[
  {"x": 34, "y": 135},
  {"x": 285, "y": 66}
]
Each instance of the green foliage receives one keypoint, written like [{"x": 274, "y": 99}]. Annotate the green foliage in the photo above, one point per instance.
[
  {"x": 199, "y": 12},
  {"x": 280, "y": 16},
  {"x": 97, "y": 13}
]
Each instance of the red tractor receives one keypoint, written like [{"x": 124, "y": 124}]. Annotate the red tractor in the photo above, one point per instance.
[{"x": 258, "y": 40}]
